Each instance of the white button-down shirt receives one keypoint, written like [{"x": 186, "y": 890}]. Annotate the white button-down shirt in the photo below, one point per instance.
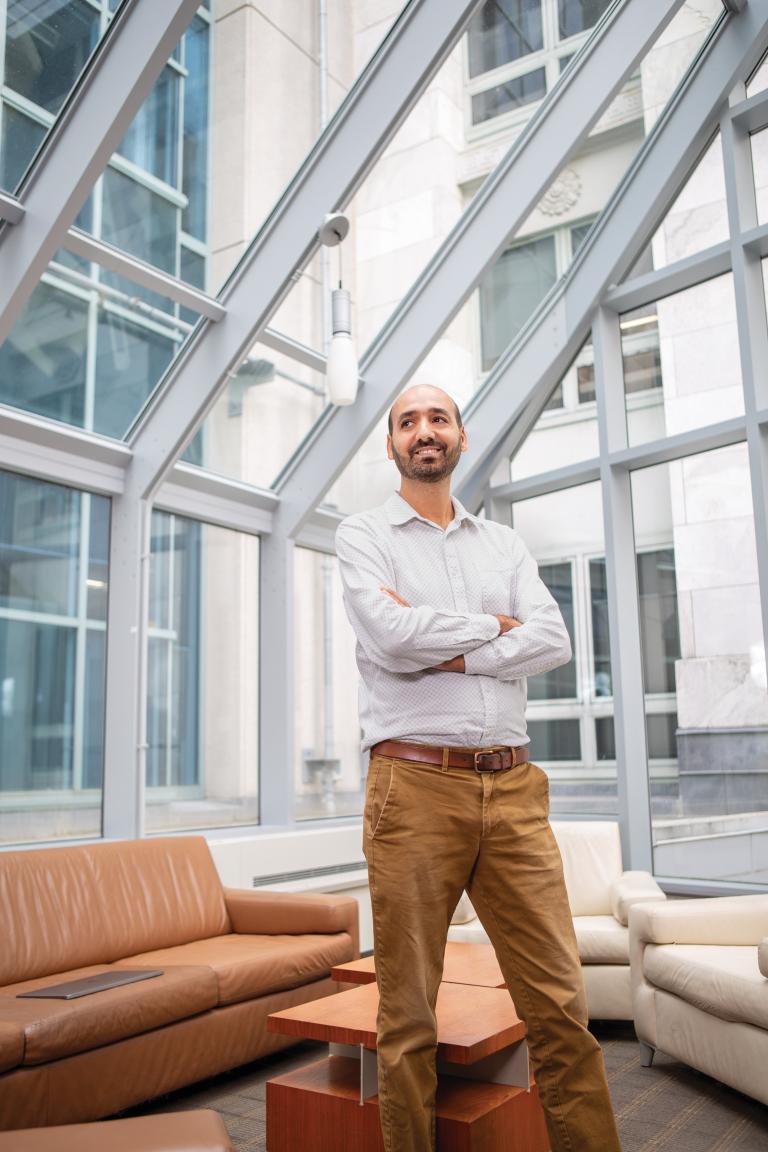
[{"x": 456, "y": 581}]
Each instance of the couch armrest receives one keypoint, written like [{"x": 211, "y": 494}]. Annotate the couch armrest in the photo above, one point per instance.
[
  {"x": 762, "y": 956},
  {"x": 714, "y": 920},
  {"x": 292, "y": 913},
  {"x": 632, "y": 888}
]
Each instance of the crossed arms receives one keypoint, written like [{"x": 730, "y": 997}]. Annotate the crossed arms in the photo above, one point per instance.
[{"x": 401, "y": 638}]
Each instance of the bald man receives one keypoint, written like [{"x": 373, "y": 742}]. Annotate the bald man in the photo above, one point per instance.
[{"x": 451, "y": 617}]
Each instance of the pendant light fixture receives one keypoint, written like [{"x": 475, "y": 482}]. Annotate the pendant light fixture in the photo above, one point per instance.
[{"x": 341, "y": 370}]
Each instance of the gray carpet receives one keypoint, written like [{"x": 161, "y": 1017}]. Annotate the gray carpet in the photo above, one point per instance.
[{"x": 665, "y": 1108}]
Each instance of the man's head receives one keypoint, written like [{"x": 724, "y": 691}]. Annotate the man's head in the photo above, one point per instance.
[{"x": 426, "y": 436}]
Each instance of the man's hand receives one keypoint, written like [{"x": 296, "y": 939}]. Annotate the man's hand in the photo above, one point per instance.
[
  {"x": 506, "y": 623},
  {"x": 454, "y": 665}
]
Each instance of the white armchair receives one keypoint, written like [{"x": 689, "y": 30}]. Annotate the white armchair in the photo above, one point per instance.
[
  {"x": 700, "y": 986},
  {"x": 600, "y": 894}
]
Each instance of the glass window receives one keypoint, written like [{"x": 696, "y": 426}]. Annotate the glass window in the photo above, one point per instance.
[
  {"x": 43, "y": 360},
  {"x": 560, "y": 683},
  {"x": 46, "y": 48},
  {"x": 512, "y": 94},
  {"x": 140, "y": 222},
  {"x": 703, "y": 664},
  {"x": 202, "y": 676},
  {"x": 511, "y": 291},
  {"x": 602, "y": 682},
  {"x": 21, "y": 137},
  {"x": 196, "y": 112},
  {"x": 564, "y": 716},
  {"x": 553, "y": 740},
  {"x": 151, "y": 142},
  {"x": 53, "y": 586},
  {"x": 330, "y": 768},
  {"x": 605, "y": 733},
  {"x": 502, "y": 31},
  {"x": 684, "y": 352},
  {"x": 130, "y": 359},
  {"x": 657, "y": 588},
  {"x": 576, "y": 16}
]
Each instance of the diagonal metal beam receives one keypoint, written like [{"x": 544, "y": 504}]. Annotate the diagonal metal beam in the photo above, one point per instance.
[
  {"x": 516, "y": 391},
  {"x": 365, "y": 123},
  {"x": 119, "y": 77},
  {"x": 507, "y": 197}
]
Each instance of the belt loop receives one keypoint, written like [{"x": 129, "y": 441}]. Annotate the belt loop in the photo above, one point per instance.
[{"x": 446, "y": 754}]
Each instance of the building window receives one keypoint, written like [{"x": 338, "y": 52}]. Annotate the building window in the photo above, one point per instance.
[
  {"x": 54, "y": 545},
  {"x": 517, "y": 49},
  {"x": 560, "y": 683}
]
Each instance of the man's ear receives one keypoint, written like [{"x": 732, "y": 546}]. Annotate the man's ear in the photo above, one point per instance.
[
  {"x": 390, "y": 453},
  {"x": 463, "y": 443}
]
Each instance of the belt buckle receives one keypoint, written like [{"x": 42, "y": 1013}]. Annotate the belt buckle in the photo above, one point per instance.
[{"x": 478, "y": 756}]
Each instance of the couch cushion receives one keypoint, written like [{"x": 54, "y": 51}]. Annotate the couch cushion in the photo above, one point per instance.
[
  {"x": 63, "y": 908},
  {"x": 11, "y": 1045},
  {"x": 722, "y": 980},
  {"x": 601, "y": 940},
  {"x": 198, "y": 1131},
  {"x": 591, "y": 852},
  {"x": 56, "y": 1028},
  {"x": 250, "y": 966}
]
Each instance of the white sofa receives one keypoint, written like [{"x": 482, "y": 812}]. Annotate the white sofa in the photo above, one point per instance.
[
  {"x": 700, "y": 986},
  {"x": 600, "y": 895}
]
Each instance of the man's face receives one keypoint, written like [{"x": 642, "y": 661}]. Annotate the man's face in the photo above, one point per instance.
[{"x": 426, "y": 440}]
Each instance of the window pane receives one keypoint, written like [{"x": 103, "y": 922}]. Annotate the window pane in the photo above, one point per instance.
[
  {"x": 578, "y": 15},
  {"x": 681, "y": 362},
  {"x": 511, "y": 291},
  {"x": 196, "y": 111},
  {"x": 20, "y": 140},
  {"x": 657, "y": 587},
  {"x": 560, "y": 683},
  {"x": 43, "y": 360},
  {"x": 130, "y": 359},
  {"x": 512, "y": 94},
  {"x": 704, "y": 661},
  {"x": 151, "y": 142},
  {"x": 553, "y": 740},
  {"x": 46, "y": 48},
  {"x": 502, "y": 31},
  {"x": 602, "y": 683},
  {"x": 605, "y": 733},
  {"x": 330, "y": 768},
  {"x": 140, "y": 222},
  {"x": 202, "y": 706},
  {"x": 53, "y": 542},
  {"x": 563, "y": 710}
]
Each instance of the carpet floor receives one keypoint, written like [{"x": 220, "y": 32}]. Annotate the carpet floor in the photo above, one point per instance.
[{"x": 666, "y": 1108}]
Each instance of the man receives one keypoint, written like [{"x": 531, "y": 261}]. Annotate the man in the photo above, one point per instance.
[{"x": 450, "y": 618}]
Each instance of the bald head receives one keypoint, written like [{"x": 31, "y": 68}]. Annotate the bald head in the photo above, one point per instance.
[{"x": 421, "y": 394}]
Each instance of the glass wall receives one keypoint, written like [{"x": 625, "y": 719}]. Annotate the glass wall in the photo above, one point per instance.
[
  {"x": 203, "y": 668},
  {"x": 54, "y": 545},
  {"x": 570, "y": 710},
  {"x": 703, "y": 666},
  {"x": 329, "y": 773}
]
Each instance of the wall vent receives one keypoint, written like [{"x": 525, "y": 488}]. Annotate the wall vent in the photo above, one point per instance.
[{"x": 309, "y": 873}]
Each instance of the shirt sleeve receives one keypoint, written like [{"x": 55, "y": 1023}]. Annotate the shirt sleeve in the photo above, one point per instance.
[
  {"x": 396, "y": 638},
  {"x": 539, "y": 644}
]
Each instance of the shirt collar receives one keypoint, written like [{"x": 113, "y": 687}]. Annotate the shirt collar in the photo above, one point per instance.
[{"x": 399, "y": 511}]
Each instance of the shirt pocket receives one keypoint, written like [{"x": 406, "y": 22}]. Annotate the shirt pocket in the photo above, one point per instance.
[{"x": 498, "y": 589}]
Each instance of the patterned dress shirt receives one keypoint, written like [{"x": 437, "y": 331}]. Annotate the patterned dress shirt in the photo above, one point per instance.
[{"x": 456, "y": 581}]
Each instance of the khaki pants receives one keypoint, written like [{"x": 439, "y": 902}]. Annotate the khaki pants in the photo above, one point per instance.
[{"x": 428, "y": 834}]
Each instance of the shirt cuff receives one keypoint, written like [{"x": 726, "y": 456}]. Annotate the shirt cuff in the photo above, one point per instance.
[{"x": 482, "y": 661}]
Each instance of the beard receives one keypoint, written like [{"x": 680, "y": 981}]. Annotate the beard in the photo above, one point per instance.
[{"x": 428, "y": 471}]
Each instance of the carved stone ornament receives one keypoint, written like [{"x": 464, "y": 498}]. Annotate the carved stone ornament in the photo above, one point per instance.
[{"x": 562, "y": 195}]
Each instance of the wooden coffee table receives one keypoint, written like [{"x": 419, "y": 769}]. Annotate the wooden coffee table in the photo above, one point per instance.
[
  {"x": 486, "y": 1101},
  {"x": 464, "y": 964}
]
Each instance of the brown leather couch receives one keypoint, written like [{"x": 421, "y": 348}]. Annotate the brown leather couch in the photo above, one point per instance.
[
  {"x": 198, "y": 1131},
  {"x": 229, "y": 958}
]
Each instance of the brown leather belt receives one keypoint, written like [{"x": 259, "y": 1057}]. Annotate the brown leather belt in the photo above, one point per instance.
[{"x": 485, "y": 760}]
